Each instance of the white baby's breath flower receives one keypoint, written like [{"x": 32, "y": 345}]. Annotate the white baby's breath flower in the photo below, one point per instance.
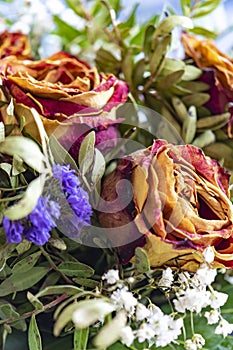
[
  {"x": 168, "y": 330},
  {"x": 167, "y": 278},
  {"x": 218, "y": 299},
  {"x": 127, "y": 336},
  {"x": 142, "y": 312},
  {"x": 224, "y": 328},
  {"x": 212, "y": 316},
  {"x": 123, "y": 299},
  {"x": 206, "y": 275},
  {"x": 192, "y": 300},
  {"x": 208, "y": 255},
  {"x": 145, "y": 332},
  {"x": 112, "y": 276},
  {"x": 154, "y": 315},
  {"x": 195, "y": 343}
]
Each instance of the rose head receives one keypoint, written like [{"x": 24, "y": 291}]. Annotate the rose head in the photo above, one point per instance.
[
  {"x": 178, "y": 205},
  {"x": 16, "y": 44},
  {"x": 217, "y": 70},
  {"x": 59, "y": 87}
]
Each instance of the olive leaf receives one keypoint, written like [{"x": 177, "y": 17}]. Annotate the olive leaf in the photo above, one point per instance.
[
  {"x": 34, "y": 338},
  {"x": 26, "y": 263},
  {"x": 98, "y": 167},
  {"x": 21, "y": 281},
  {"x": 26, "y": 149},
  {"x": 28, "y": 202},
  {"x": 142, "y": 264},
  {"x": 81, "y": 338},
  {"x": 75, "y": 269},
  {"x": 87, "y": 152},
  {"x": 60, "y": 154}
]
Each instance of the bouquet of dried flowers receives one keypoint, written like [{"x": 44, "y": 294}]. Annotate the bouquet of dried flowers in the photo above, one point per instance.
[{"x": 116, "y": 215}]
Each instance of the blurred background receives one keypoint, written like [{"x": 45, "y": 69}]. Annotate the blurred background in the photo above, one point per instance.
[{"x": 36, "y": 16}]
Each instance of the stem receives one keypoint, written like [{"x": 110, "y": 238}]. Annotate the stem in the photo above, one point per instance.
[
  {"x": 54, "y": 266},
  {"x": 191, "y": 322},
  {"x": 36, "y": 312}
]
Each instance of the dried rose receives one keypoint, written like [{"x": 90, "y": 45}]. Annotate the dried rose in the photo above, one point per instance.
[
  {"x": 178, "y": 206},
  {"x": 59, "y": 87},
  {"x": 16, "y": 44},
  {"x": 217, "y": 69},
  {"x": 207, "y": 55}
]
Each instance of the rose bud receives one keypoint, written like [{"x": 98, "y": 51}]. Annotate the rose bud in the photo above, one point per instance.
[
  {"x": 174, "y": 201},
  {"x": 16, "y": 44}
]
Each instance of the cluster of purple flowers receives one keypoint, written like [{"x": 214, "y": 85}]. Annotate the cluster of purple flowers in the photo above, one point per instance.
[
  {"x": 36, "y": 227},
  {"x": 75, "y": 195}
]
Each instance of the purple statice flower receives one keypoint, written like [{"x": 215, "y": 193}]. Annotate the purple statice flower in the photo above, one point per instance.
[
  {"x": 36, "y": 235},
  {"x": 36, "y": 226},
  {"x": 13, "y": 230},
  {"x": 40, "y": 216},
  {"x": 75, "y": 195}
]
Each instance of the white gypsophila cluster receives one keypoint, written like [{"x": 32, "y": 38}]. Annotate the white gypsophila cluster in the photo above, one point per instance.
[
  {"x": 149, "y": 324},
  {"x": 111, "y": 276},
  {"x": 195, "y": 343},
  {"x": 145, "y": 323},
  {"x": 166, "y": 279},
  {"x": 195, "y": 294},
  {"x": 123, "y": 299}
]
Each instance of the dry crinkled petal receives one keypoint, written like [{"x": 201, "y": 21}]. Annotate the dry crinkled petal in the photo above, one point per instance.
[
  {"x": 206, "y": 54},
  {"x": 161, "y": 252}
]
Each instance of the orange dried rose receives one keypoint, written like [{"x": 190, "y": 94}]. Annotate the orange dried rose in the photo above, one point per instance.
[
  {"x": 206, "y": 55},
  {"x": 59, "y": 87},
  {"x": 179, "y": 206},
  {"x": 16, "y": 44}
]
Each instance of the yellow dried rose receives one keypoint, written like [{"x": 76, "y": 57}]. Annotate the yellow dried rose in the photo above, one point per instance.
[{"x": 179, "y": 205}]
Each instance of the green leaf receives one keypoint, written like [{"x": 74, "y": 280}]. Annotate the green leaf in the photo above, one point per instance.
[
  {"x": 86, "y": 282},
  {"x": 197, "y": 99},
  {"x": 22, "y": 281},
  {"x": 26, "y": 263},
  {"x": 34, "y": 338},
  {"x": 168, "y": 24},
  {"x": 157, "y": 57},
  {"x": 86, "y": 152},
  {"x": 81, "y": 338},
  {"x": 203, "y": 8},
  {"x": 213, "y": 122},
  {"x": 98, "y": 167},
  {"x": 60, "y": 154},
  {"x": 170, "y": 79},
  {"x": 61, "y": 289},
  {"x": 35, "y": 301},
  {"x": 204, "y": 32},
  {"x": 64, "y": 27},
  {"x": 26, "y": 149},
  {"x": 185, "y": 6},
  {"x": 7, "y": 311},
  {"x": 191, "y": 73},
  {"x": 149, "y": 32},
  {"x": 30, "y": 198},
  {"x": 77, "y": 7},
  {"x": 76, "y": 269},
  {"x": 142, "y": 264}
]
